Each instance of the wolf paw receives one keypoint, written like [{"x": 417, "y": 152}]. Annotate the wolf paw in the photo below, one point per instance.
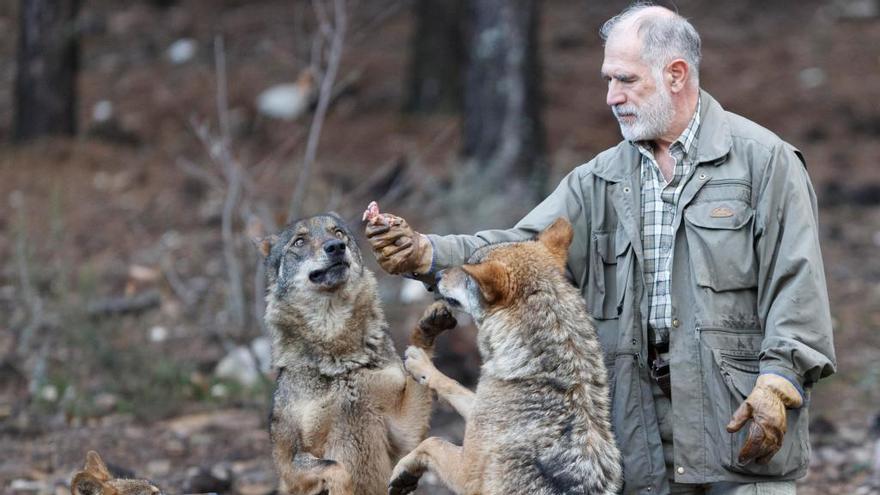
[
  {"x": 403, "y": 483},
  {"x": 418, "y": 364},
  {"x": 437, "y": 318}
]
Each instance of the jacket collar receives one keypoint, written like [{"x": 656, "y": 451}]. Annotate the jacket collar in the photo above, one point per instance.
[{"x": 713, "y": 143}]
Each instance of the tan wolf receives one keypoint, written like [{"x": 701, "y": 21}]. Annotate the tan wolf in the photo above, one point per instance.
[
  {"x": 538, "y": 423},
  {"x": 344, "y": 409},
  {"x": 95, "y": 479}
]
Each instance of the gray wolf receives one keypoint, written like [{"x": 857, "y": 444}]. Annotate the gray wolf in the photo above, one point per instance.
[
  {"x": 539, "y": 420},
  {"x": 344, "y": 409}
]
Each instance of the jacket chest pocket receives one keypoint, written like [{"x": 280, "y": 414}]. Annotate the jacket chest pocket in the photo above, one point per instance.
[
  {"x": 721, "y": 244},
  {"x": 605, "y": 282}
]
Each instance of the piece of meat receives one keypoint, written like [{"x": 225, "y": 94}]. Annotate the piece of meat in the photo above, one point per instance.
[
  {"x": 371, "y": 213},
  {"x": 373, "y": 217}
]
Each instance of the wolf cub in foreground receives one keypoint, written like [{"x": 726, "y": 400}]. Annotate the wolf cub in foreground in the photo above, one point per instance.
[
  {"x": 539, "y": 420},
  {"x": 95, "y": 479},
  {"x": 344, "y": 409}
]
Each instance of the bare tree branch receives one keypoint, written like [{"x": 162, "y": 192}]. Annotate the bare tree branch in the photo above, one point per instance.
[
  {"x": 200, "y": 173},
  {"x": 231, "y": 169},
  {"x": 325, "y": 92}
]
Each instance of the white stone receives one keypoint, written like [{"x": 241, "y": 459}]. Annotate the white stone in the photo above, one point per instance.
[
  {"x": 27, "y": 486},
  {"x": 832, "y": 456},
  {"x": 158, "y": 334},
  {"x": 262, "y": 349},
  {"x": 102, "y": 111},
  {"x": 283, "y": 101},
  {"x": 812, "y": 77},
  {"x": 182, "y": 50},
  {"x": 858, "y": 9},
  {"x": 238, "y": 366},
  {"x": 219, "y": 391},
  {"x": 412, "y": 291},
  {"x": 863, "y": 455},
  {"x": 49, "y": 393},
  {"x": 159, "y": 467},
  {"x": 16, "y": 199},
  {"x": 877, "y": 459}
]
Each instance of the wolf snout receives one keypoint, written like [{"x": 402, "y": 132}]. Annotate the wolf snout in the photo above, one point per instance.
[{"x": 334, "y": 247}]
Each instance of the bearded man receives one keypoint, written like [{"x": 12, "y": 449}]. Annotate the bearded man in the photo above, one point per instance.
[{"x": 697, "y": 250}]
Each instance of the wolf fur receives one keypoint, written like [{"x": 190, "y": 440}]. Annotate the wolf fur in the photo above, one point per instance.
[
  {"x": 95, "y": 479},
  {"x": 539, "y": 420},
  {"x": 344, "y": 409}
]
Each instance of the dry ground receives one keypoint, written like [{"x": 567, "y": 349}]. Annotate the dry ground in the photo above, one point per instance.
[{"x": 78, "y": 214}]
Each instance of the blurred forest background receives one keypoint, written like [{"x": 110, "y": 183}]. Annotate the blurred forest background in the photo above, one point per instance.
[{"x": 144, "y": 143}]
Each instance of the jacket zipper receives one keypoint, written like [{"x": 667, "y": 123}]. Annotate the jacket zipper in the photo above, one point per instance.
[
  {"x": 698, "y": 329},
  {"x": 727, "y": 182}
]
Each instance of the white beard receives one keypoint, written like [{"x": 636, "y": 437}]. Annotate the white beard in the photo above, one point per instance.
[{"x": 651, "y": 121}]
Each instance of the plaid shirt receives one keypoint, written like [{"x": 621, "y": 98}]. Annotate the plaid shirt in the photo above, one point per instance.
[{"x": 659, "y": 202}]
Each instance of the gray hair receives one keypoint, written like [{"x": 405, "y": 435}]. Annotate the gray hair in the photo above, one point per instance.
[{"x": 664, "y": 38}]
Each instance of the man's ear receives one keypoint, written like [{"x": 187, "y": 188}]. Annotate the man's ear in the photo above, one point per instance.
[
  {"x": 557, "y": 238},
  {"x": 96, "y": 467},
  {"x": 264, "y": 244},
  {"x": 491, "y": 277},
  {"x": 677, "y": 73}
]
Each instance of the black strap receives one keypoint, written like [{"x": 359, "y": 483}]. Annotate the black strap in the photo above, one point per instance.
[{"x": 660, "y": 368}]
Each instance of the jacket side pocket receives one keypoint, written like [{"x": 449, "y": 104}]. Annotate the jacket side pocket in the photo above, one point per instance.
[{"x": 739, "y": 370}]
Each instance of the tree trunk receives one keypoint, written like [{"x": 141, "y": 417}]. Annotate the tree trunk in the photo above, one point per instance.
[
  {"x": 436, "y": 54},
  {"x": 503, "y": 133},
  {"x": 45, "y": 85}
]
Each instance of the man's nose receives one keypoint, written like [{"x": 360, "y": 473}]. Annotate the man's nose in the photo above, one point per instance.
[
  {"x": 615, "y": 96},
  {"x": 334, "y": 247}
]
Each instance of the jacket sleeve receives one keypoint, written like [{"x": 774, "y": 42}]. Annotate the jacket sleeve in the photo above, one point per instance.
[
  {"x": 567, "y": 200},
  {"x": 792, "y": 296}
]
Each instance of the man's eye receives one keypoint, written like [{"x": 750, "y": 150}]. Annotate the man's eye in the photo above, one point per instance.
[{"x": 299, "y": 242}]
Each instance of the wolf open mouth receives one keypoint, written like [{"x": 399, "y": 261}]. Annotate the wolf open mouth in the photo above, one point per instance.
[{"x": 330, "y": 274}]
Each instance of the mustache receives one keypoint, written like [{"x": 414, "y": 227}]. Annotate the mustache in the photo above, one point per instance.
[{"x": 620, "y": 111}]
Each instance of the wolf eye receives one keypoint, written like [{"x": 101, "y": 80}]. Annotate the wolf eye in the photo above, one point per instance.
[
  {"x": 299, "y": 242},
  {"x": 339, "y": 234}
]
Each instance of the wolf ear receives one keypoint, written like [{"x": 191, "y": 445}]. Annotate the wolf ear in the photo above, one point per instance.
[
  {"x": 492, "y": 278},
  {"x": 264, "y": 244},
  {"x": 87, "y": 484},
  {"x": 96, "y": 467},
  {"x": 557, "y": 238}
]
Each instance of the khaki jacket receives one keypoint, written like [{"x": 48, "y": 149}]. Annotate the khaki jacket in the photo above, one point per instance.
[{"x": 748, "y": 294}]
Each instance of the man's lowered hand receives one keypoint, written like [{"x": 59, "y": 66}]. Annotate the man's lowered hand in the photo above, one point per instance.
[{"x": 765, "y": 406}]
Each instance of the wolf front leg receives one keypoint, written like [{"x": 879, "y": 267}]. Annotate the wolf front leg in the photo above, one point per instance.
[
  {"x": 419, "y": 365},
  {"x": 302, "y": 473},
  {"x": 438, "y": 456},
  {"x": 411, "y": 415},
  {"x": 435, "y": 320}
]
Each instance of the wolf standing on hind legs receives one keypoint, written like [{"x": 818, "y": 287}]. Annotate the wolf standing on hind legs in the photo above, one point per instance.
[
  {"x": 539, "y": 423},
  {"x": 344, "y": 409}
]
